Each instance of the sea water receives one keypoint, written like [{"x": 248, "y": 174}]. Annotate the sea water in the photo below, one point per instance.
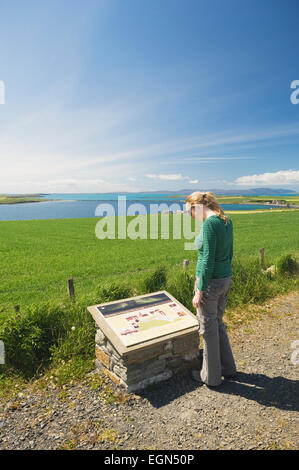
[{"x": 70, "y": 206}]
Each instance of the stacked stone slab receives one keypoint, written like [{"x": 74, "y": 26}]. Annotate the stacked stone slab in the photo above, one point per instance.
[{"x": 136, "y": 369}]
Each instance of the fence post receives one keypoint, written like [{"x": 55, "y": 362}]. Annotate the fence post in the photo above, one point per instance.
[
  {"x": 185, "y": 264},
  {"x": 71, "y": 288},
  {"x": 261, "y": 256}
]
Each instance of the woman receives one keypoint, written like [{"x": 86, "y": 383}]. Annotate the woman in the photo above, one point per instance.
[{"x": 212, "y": 285}]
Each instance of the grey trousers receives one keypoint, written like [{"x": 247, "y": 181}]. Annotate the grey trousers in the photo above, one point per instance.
[{"x": 218, "y": 358}]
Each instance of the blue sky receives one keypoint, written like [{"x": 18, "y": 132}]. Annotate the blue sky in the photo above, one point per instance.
[{"x": 133, "y": 95}]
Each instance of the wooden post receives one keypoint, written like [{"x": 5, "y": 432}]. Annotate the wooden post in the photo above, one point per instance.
[
  {"x": 71, "y": 288},
  {"x": 261, "y": 256},
  {"x": 185, "y": 263}
]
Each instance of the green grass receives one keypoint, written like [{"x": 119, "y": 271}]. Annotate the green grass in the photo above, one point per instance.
[
  {"x": 55, "y": 336},
  {"x": 19, "y": 199},
  {"x": 51, "y": 333},
  {"x": 37, "y": 257},
  {"x": 60, "y": 336}
]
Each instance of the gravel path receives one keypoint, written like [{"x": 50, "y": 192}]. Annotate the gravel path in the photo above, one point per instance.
[{"x": 258, "y": 411}]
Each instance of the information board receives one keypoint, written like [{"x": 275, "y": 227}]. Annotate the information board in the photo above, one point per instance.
[{"x": 143, "y": 318}]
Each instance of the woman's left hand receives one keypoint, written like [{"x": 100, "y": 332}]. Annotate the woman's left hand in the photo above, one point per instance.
[{"x": 197, "y": 298}]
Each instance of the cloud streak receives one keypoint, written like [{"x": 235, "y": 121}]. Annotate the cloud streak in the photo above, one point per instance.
[{"x": 106, "y": 144}]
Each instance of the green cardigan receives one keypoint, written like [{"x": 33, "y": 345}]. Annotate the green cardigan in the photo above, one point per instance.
[{"x": 215, "y": 250}]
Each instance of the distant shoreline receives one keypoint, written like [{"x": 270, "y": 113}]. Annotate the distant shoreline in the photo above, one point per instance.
[
  {"x": 277, "y": 202},
  {"x": 21, "y": 200}
]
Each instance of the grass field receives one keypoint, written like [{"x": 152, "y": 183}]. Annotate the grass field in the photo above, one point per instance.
[
  {"x": 37, "y": 257},
  {"x": 54, "y": 336},
  {"x": 19, "y": 199}
]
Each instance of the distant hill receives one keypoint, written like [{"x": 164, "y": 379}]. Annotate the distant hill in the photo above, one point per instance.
[{"x": 233, "y": 192}]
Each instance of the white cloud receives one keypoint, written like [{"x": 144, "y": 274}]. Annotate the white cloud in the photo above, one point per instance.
[
  {"x": 169, "y": 177},
  {"x": 278, "y": 177},
  {"x": 193, "y": 181}
]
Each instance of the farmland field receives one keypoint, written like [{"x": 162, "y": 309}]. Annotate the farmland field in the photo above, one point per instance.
[
  {"x": 18, "y": 199},
  {"x": 37, "y": 257}
]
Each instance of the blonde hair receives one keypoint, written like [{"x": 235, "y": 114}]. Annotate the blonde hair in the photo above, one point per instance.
[{"x": 208, "y": 199}]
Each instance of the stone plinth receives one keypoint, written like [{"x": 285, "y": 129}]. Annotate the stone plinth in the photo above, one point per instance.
[{"x": 136, "y": 366}]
